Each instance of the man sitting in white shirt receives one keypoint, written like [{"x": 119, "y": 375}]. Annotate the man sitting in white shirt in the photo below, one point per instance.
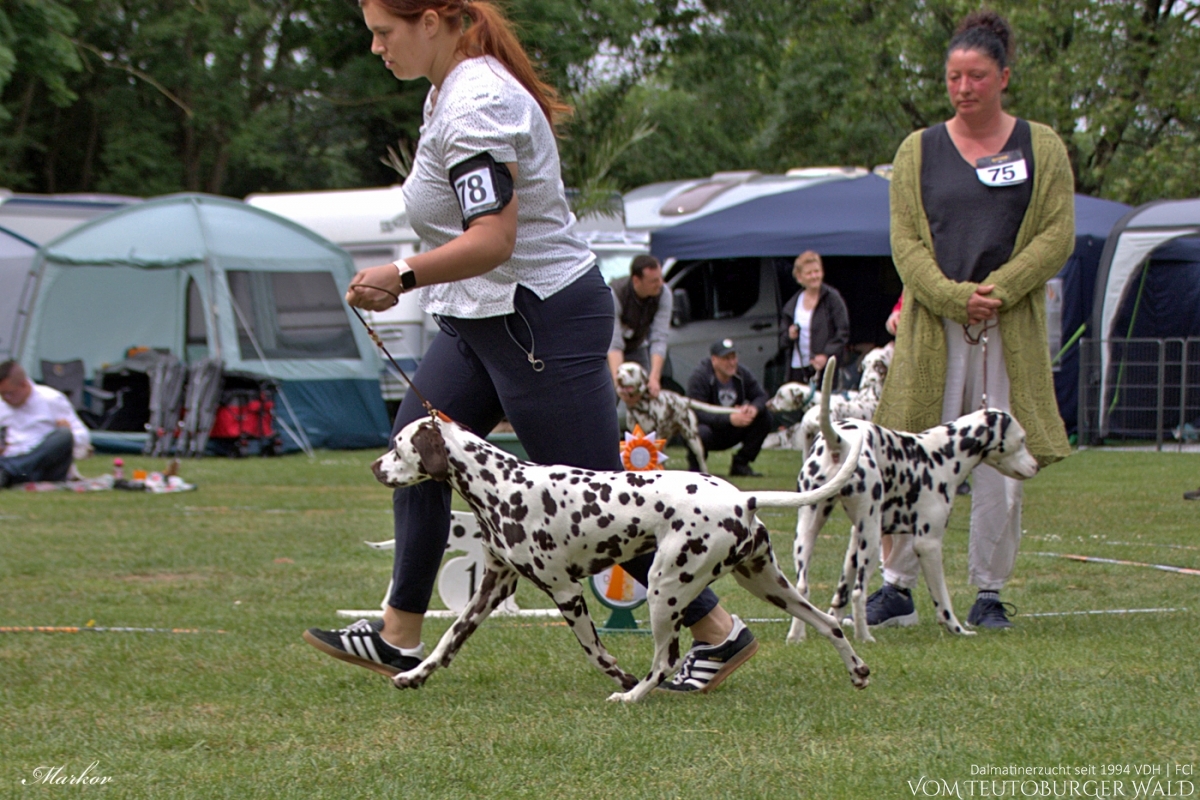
[{"x": 40, "y": 433}]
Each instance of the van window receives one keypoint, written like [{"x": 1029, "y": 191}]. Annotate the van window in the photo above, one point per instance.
[
  {"x": 720, "y": 288},
  {"x": 291, "y": 315}
]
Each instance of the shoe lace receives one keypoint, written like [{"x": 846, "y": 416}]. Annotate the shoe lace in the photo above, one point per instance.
[
  {"x": 359, "y": 626},
  {"x": 685, "y": 668},
  {"x": 999, "y": 608}
]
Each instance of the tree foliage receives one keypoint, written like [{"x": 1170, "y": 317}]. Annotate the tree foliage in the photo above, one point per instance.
[{"x": 146, "y": 97}]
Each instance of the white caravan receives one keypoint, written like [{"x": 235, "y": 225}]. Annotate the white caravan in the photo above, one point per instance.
[{"x": 41, "y": 218}]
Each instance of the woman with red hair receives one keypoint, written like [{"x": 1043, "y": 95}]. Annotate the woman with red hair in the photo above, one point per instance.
[{"x": 525, "y": 316}]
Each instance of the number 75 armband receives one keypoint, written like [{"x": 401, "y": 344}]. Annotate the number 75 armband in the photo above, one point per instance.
[{"x": 482, "y": 187}]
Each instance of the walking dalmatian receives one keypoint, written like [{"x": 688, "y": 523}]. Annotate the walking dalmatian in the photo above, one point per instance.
[{"x": 555, "y": 526}]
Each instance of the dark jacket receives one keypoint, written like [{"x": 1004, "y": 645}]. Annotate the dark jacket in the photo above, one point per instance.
[
  {"x": 830, "y": 324},
  {"x": 703, "y": 386}
]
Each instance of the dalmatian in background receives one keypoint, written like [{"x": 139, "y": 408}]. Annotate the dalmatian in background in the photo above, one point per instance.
[
  {"x": 556, "y": 525},
  {"x": 905, "y": 484},
  {"x": 853, "y": 405},
  {"x": 669, "y": 414}
]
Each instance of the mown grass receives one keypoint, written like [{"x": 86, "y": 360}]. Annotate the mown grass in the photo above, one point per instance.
[{"x": 267, "y": 547}]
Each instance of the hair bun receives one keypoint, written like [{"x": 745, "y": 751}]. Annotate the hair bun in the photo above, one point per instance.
[{"x": 992, "y": 22}]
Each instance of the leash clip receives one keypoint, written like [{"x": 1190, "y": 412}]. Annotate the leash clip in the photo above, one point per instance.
[{"x": 980, "y": 339}]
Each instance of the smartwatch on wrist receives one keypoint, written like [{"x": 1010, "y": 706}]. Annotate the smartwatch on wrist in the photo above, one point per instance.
[{"x": 408, "y": 278}]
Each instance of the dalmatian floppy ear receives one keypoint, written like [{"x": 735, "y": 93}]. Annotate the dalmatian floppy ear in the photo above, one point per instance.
[{"x": 432, "y": 450}]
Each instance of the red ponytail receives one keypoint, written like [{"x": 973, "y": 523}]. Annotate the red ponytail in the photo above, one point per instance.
[{"x": 488, "y": 34}]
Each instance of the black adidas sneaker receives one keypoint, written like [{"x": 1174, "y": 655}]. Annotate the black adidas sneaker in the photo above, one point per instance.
[
  {"x": 360, "y": 644},
  {"x": 706, "y": 665}
]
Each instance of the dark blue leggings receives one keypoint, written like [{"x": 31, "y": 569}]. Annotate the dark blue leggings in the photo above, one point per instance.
[{"x": 478, "y": 371}]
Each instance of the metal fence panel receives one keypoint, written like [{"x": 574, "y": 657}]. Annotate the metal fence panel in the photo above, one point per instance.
[{"x": 1152, "y": 391}]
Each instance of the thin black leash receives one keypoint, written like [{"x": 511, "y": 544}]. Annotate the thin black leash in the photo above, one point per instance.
[{"x": 379, "y": 343}]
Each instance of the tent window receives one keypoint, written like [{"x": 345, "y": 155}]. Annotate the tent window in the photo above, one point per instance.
[
  {"x": 196, "y": 344},
  {"x": 291, "y": 315}
]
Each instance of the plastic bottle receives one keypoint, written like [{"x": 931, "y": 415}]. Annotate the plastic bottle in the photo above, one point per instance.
[{"x": 118, "y": 469}]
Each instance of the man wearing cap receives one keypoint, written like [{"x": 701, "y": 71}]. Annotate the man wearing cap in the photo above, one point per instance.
[
  {"x": 721, "y": 381},
  {"x": 42, "y": 433}
]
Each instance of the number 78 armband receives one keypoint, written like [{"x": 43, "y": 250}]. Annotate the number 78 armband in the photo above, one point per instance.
[{"x": 482, "y": 187}]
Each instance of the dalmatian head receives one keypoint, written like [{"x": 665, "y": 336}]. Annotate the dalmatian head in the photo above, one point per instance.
[
  {"x": 875, "y": 367},
  {"x": 1001, "y": 439},
  {"x": 418, "y": 454},
  {"x": 631, "y": 382},
  {"x": 794, "y": 397}
]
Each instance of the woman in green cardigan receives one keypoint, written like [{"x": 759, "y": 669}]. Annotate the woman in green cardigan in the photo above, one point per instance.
[{"x": 982, "y": 215}]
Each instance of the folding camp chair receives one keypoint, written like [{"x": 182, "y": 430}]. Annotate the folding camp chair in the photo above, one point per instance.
[
  {"x": 166, "y": 404},
  {"x": 200, "y": 407},
  {"x": 94, "y": 405}
]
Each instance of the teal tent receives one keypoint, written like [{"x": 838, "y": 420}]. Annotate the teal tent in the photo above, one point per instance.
[
  {"x": 16, "y": 259},
  {"x": 202, "y": 276}
]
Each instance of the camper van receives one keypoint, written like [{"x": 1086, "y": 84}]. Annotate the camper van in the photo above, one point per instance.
[
  {"x": 718, "y": 298},
  {"x": 372, "y": 226}
]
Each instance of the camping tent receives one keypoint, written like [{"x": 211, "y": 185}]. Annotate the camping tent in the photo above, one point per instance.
[
  {"x": 16, "y": 258},
  {"x": 201, "y": 276},
  {"x": 1159, "y": 227}
]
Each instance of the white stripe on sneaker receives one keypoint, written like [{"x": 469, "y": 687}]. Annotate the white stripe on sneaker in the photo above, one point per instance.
[{"x": 374, "y": 655}]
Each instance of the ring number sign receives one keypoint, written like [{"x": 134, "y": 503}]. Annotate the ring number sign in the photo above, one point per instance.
[{"x": 1002, "y": 169}]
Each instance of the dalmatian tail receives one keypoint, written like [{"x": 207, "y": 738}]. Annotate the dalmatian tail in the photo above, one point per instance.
[
  {"x": 830, "y": 489},
  {"x": 697, "y": 405},
  {"x": 849, "y": 460},
  {"x": 827, "y": 430}
]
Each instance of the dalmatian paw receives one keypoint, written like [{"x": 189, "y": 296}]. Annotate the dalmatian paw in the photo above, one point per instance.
[
  {"x": 413, "y": 679},
  {"x": 796, "y": 634},
  {"x": 859, "y": 677},
  {"x": 621, "y": 697}
]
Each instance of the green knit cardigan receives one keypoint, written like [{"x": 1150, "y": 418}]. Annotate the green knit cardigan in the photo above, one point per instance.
[{"x": 912, "y": 396}]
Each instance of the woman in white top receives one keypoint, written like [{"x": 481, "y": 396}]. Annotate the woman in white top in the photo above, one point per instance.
[{"x": 526, "y": 317}]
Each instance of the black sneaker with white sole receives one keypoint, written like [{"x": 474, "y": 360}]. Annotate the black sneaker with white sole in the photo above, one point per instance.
[
  {"x": 891, "y": 607},
  {"x": 360, "y": 643},
  {"x": 706, "y": 665}
]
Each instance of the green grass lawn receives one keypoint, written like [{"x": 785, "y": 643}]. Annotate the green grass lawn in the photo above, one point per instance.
[{"x": 268, "y": 547}]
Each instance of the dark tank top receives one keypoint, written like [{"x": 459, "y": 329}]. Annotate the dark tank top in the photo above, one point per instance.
[{"x": 974, "y": 226}]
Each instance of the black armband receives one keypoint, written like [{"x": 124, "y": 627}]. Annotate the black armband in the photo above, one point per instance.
[{"x": 482, "y": 186}]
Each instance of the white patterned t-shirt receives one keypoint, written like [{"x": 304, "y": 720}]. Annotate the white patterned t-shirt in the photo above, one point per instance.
[{"x": 482, "y": 108}]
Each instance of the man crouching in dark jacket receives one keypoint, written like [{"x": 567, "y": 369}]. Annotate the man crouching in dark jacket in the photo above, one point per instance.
[{"x": 721, "y": 382}]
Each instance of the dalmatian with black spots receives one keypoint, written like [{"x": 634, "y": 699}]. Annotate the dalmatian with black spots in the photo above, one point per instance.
[
  {"x": 860, "y": 404},
  {"x": 904, "y": 484},
  {"x": 555, "y": 526},
  {"x": 668, "y": 415}
]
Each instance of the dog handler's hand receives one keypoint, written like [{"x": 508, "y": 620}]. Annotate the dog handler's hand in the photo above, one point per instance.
[
  {"x": 981, "y": 308},
  {"x": 385, "y": 276}
]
